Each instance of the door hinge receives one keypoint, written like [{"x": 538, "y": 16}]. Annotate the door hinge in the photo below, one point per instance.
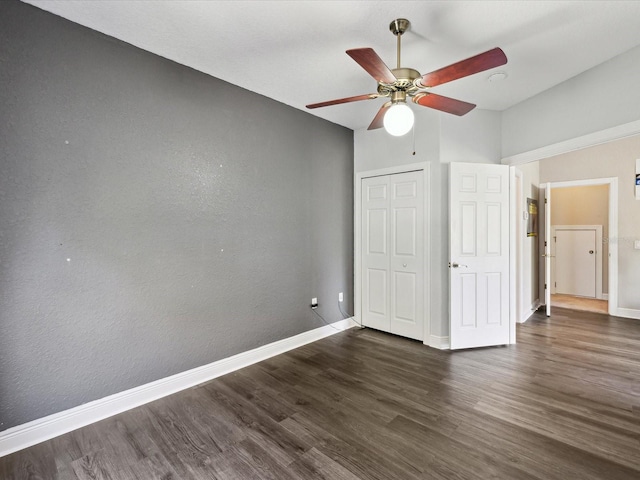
[
  {"x": 545, "y": 286},
  {"x": 555, "y": 284}
]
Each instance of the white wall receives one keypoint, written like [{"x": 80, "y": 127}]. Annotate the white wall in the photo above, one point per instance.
[
  {"x": 472, "y": 138},
  {"x": 530, "y": 255},
  {"x": 600, "y": 98},
  {"x": 439, "y": 139}
]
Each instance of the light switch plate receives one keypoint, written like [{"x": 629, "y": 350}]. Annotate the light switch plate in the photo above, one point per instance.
[{"x": 637, "y": 179}]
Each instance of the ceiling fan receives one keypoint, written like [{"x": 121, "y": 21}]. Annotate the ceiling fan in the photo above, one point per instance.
[{"x": 400, "y": 83}]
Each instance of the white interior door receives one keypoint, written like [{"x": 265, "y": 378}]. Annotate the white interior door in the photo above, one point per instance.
[
  {"x": 544, "y": 247},
  {"x": 575, "y": 261},
  {"x": 479, "y": 249},
  {"x": 393, "y": 253}
]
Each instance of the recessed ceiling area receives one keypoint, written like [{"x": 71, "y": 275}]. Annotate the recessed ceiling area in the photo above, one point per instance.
[{"x": 294, "y": 51}]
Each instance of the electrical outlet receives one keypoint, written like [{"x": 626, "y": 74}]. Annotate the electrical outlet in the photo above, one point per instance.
[
  {"x": 340, "y": 297},
  {"x": 314, "y": 302}
]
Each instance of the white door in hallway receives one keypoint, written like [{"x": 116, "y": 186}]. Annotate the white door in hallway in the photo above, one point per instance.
[
  {"x": 575, "y": 261},
  {"x": 479, "y": 255},
  {"x": 393, "y": 253}
]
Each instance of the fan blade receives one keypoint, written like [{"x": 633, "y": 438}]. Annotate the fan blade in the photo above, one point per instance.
[
  {"x": 357, "y": 98},
  {"x": 377, "y": 120},
  {"x": 479, "y": 63},
  {"x": 444, "y": 104},
  {"x": 373, "y": 64}
]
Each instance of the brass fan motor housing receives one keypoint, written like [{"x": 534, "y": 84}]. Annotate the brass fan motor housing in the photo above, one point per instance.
[{"x": 406, "y": 82}]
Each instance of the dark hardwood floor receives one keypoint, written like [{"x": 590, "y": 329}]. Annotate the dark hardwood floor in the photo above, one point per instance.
[{"x": 564, "y": 403}]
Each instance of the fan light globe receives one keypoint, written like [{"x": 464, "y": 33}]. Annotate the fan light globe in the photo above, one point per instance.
[{"x": 398, "y": 120}]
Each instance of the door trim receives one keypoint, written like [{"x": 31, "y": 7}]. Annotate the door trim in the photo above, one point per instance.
[
  {"x": 517, "y": 245},
  {"x": 425, "y": 167},
  {"x": 515, "y": 253},
  {"x": 613, "y": 231},
  {"x": 598, "y": 230}
]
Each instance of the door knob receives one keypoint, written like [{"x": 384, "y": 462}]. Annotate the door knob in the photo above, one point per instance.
[
  {"x": 404, "y": 264},
  {"x": 591, "y": 252},
  {"x": 455, "y": 265}
]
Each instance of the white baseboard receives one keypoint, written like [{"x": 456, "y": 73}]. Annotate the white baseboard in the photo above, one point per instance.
[
  {"x": 441, "y": 343},
  {"x": 628, "y": 313},
  {"x": 37, "y": 431},
  {"x": 524, "y": 316},
  {"x": 605, "y": 296}
]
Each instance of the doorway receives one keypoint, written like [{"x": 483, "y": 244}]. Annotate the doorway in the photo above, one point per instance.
[{"x": 578, "y": 262}]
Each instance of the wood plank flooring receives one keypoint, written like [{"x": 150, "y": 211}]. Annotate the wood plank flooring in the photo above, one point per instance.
[
  {"x": 579, "y": 303},
  {"x": 564, "y": 403}
]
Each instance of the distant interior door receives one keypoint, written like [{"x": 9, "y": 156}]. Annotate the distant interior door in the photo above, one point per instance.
[
  {"x": 393, "y": 253},
  {"x": 575, "y": 262},
  {"x": 479, "y": 249},
  {"x": 545, "y": 246}
]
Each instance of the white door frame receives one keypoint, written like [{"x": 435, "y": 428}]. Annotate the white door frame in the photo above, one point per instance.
[
  {"x": 546, "y": 247},
  {"x": 598, "y": 231},
  {"x": 425, "y": 167},
  {"x": 517, "y": 244},
  {"x": 514, "y": 270},
  {"x": 612, "y": 182}
]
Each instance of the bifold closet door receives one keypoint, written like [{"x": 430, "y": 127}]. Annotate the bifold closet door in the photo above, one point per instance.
[{"x": 393, "y": 253}]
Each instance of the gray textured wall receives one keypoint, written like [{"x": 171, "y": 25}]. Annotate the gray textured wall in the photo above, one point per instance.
[{"x": 153, "y": 219}]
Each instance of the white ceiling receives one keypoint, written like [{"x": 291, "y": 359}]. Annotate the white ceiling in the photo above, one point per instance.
[{"x": 294, "y": 51}]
